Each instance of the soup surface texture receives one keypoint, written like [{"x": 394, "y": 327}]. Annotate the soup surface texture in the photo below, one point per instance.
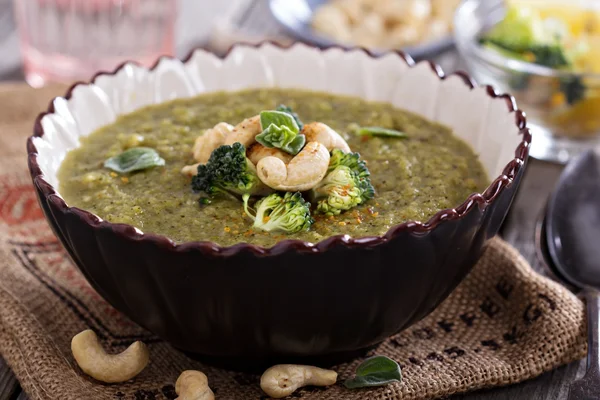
[{"x": 414, "y": 177}]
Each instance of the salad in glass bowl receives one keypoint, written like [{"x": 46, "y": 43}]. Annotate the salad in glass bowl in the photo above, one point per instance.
[{"x": 547, "y": 54}]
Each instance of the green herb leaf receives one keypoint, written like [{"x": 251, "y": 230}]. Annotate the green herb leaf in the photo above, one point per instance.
[
  {"x": 378, "y": 131},
  {"x": 282, "y": 138},
  {"x": 134, "y": 159},
  {"x": 278, "y": 118},
  {"x": 296, "y": 145},
  {"x": 286, "y": 109},
  {"x": 375, "y": 371},
  {"x": 281, "y": 131}
]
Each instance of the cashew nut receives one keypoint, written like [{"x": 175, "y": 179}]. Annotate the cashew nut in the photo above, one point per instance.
[
  {"x": 282, "y": 380},
  {"x": 193, "y": 385},
  {"x": 109, "y": 368},
  {"x": 245, "y": 132},
  {"x": 305, "y": 170},
  {"x": 210, "y": 140},
  {"x": 205, "y": 144},
  {"x": 319, "y": 132},
  {"x": 257, "y": 152},
  {"x": 190, "y": 170}
]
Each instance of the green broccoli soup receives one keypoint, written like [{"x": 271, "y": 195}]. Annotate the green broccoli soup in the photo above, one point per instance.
[{"x": 265, "y": 165}]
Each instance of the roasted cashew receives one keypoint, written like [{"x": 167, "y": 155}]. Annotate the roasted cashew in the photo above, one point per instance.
[
  {"x": 245, "y": 132},
  {"x": 193, "y": 385},
  {"x": 282, "y": 380},
  {"x": 257, "y": 152},
  {"x": 210, "y": 140},
  {"x": 319, "y": 132},
  {"x": 303, "y": 172},
  {"x": 205, "y": 144},
  {"x": 190, "y": 170},
  {"x": 109, "y": 368}
]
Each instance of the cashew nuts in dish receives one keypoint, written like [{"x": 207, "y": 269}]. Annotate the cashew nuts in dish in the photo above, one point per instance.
[
  {"x": 193, "y": 385},
  {"x": 282, "y": 380},
  {"x": 302, "y": 173},
  {"x": 210, "y": 140},
  {"x": 245, "y": 132},
  {"x": 109, "y": 368},
  {"x": 319, "y": 132},
  {"x": 257, "y": 152}
]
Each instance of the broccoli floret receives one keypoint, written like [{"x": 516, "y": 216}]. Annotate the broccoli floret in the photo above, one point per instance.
[
  {"x": 350, "y": 160},
  {"x": 552, "y": 56},
  {"x": 341, "y": 190},
  {"x": 274, "y": 213},
  {"x": 228, "y": 171},
  {"x": 346, "y": 185}
]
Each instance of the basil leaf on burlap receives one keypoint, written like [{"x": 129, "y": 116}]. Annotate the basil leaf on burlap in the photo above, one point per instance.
[{"x": 375, "y": 371}]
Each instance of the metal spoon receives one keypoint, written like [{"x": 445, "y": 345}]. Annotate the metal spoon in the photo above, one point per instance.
[{"x": 572, "y": 230}]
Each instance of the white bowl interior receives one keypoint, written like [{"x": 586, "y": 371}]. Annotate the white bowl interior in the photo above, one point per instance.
[{"x": 483, "y": 122}]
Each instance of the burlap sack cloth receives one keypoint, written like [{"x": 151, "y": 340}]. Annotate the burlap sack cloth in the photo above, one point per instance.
[{"x": 504, "y": 324}]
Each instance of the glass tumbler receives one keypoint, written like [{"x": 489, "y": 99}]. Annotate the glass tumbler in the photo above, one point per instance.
[{"x": 68, "y": 40}]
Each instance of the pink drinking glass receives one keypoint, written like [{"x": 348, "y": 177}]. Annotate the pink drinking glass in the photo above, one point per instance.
[{"x": 68, "y": 40}]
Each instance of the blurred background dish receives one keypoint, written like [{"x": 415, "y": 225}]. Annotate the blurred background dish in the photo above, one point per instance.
[
  {"x": 209, "y": 24},
  {"x": 421, "y": 28},
  {"x": 61, "y": 39},
  {"x": 68, "y": 40},
  {"x": 545, "y": 53}
]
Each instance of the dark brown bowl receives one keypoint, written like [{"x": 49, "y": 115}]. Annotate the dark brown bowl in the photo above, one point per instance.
[{"x": 296, "y": 299}]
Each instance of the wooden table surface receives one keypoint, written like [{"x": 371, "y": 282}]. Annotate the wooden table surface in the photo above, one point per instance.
[{"x": 254, "y": 19}]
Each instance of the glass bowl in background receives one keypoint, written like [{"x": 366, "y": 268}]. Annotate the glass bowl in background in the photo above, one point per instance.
[
  {"x": 67, "y": 40},
  {"x": 563, "y": 108}
]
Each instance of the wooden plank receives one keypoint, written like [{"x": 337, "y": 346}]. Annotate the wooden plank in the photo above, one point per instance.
[
  {"x": 23, "y": 396},
  {"x": 8, "y": 383}
]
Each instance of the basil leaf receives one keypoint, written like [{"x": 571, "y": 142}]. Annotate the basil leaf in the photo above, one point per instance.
[
  {"x": 134, "y": 159},
  {"x": 375, "y": 371},
  {"x": 278, "y": 118},
  {"x": 286, "y": 109},
  {"x": 282, "y": 138},
  {"x": 280, "y": 130},
  {"x": 296, "y": 145},
  {"x": 378, "y": 131}
]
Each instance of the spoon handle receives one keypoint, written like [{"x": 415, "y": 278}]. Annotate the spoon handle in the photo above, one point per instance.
[{"x": 588, "y": 387}]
